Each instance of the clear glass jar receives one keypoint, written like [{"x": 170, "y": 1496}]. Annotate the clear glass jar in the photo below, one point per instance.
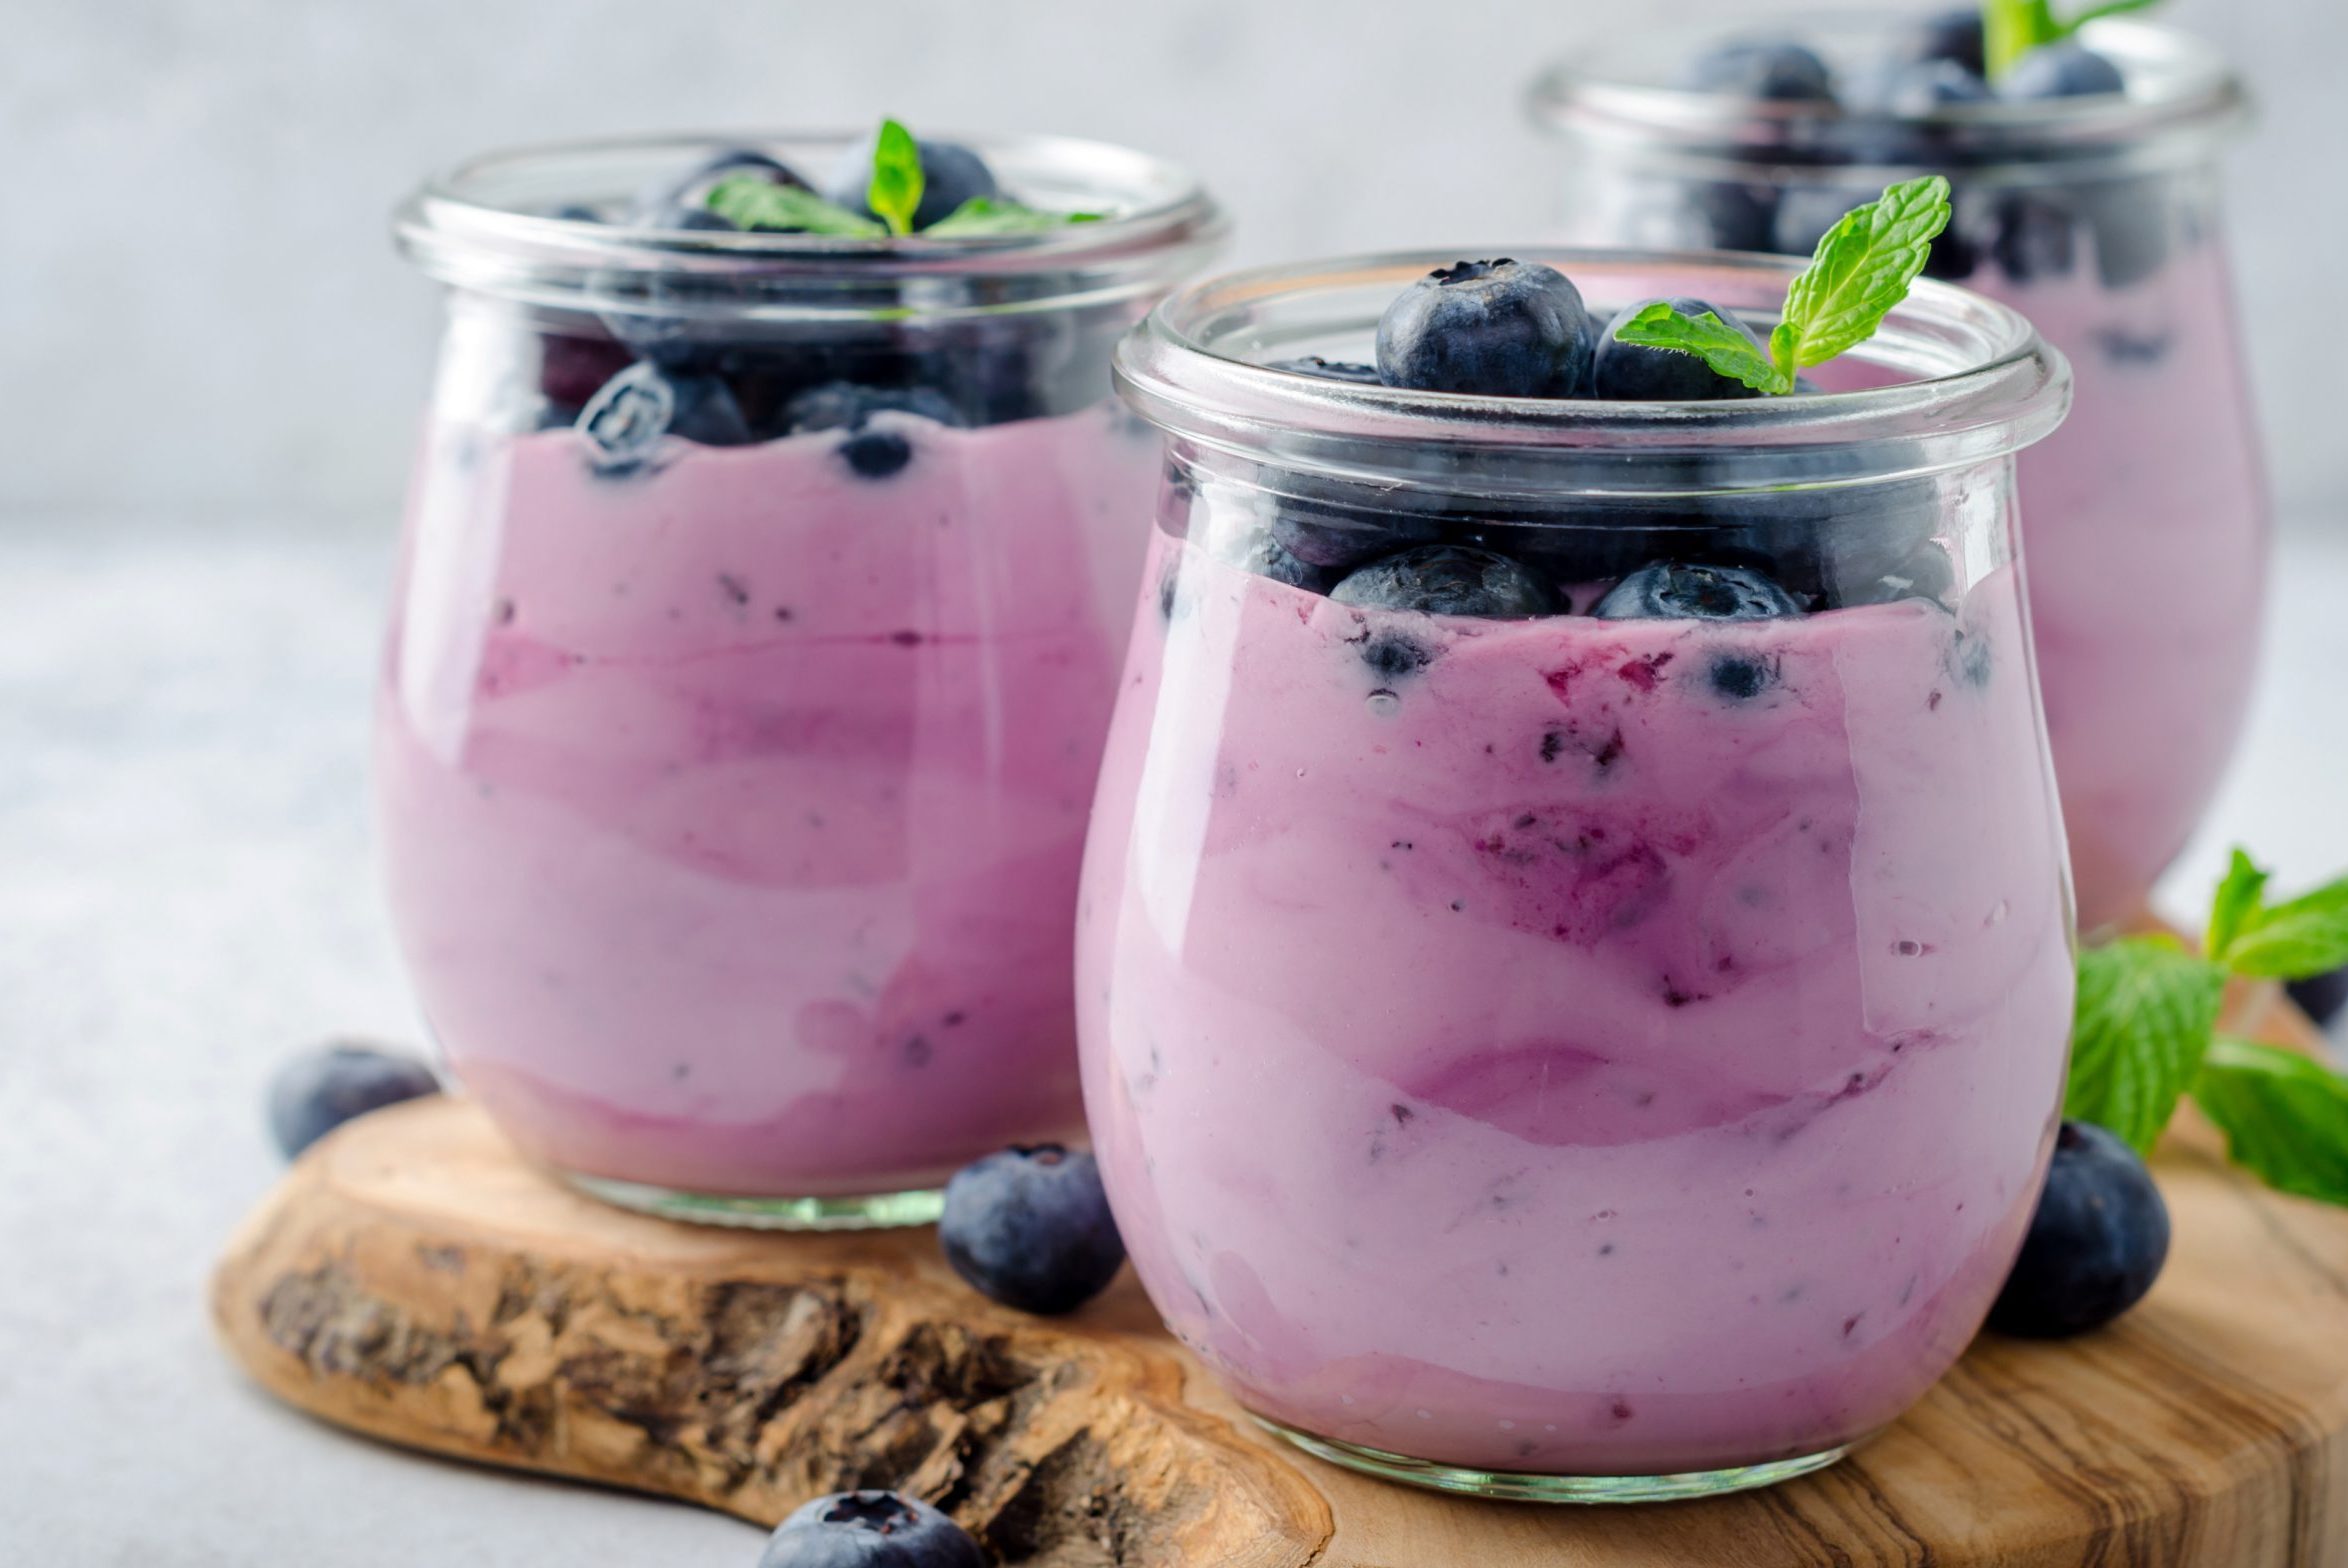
[
  {"x": 1589, "y": 1056},
  {"x": 2098, "y": 219},
  {"x": 755, "y": 636}
]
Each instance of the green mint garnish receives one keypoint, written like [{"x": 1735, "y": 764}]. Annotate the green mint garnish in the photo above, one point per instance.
[
  {"x": 999, "y": 215},
  {"x": 2012, "y": 28},
  {"x": 1863, "y": 267},
  {"x": 895, "y": 192},
  {"x": 2147, "y": 1012},
  {"x": 752, "y": 203}
]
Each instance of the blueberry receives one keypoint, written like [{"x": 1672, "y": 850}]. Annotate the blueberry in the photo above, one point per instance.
[
  {"x": 1267, "y": 557},
  {"x": 571, "y": 369},
  {"x": 1956, "y": 37},
  {"x": 1449, "y": 579},
  {"x": 680, "y": 201},
  {"x": 2321, "y": 997},
  {"x": 1779, "y": 70},
  {"x": 321, "y": 1089},
  {"x": 1736, "y": 216},
  {"x": 1500, "y": 328},
  {"x": 1926, "y": 87},
  {"x": 841, "y": 405},
  {"x": 870, "y": 1530},
  {"x": 2096, "y": 1242},
  {"x": 1740, "y": 677},
  {"x": 951, "y": 174},
  {"x": 1327, "y": 522},
  {"x": 1327, "y": 369},
  {"x": 1030, "y": 1227},
  {"x": 626, "y": 419},
  {"x": 1672, "y": 590},
  {"x": 2037, "y": 236},
  {"x": 2065, "y": 70},
  {"x": 1627, "y": 372}
]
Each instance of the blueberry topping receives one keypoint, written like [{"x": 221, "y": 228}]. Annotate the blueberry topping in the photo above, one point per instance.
[
  {"x": 1500, "y": 328},
  {"x": 1392, "y": 656},
  {"x": 626, "y": 419},
  {"x": 680, "y": 201},
  {"x": 1629, "y": 372},
  {"x": 1031, "y": 1228},
  {"x": 2065, "y": 70},
  {"x": 1672, "y": 591},
  {"x": 951, "y": 174},
  {"x": 1447, "y": 579},
  {"x": 321, "y": 1089},
  {"x": 2321, "y": 997},
  {"x": 876, "y": 454},
  {"x": 870, "y": 1530},
  {"x": 1327, "y": 369},
  {"x": 840, "y": 405},
  {"x": 1778, "y": 70},
  {"x": 1929, "y": 86},
  {"x": 2096, "y": 1242},
  {"x": 1953, "y": 36},
  {"x": 1740, "y": 677}
]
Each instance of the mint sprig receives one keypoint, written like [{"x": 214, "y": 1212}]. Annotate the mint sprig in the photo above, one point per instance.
[
  {"x": 2142, "y": 1036},
  {"x": 1863, "y": 267},
  {"x": 749, "y": 202},
  {"x": 1000, "y": 215},
  {"x": 2012, "y": 28},
  {"x": 894, "y": 193}
]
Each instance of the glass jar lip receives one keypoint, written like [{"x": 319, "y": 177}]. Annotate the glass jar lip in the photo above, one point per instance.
[
  {"x": 2181, "y": 89},
  {"x": 485, "y": 223},
  {"x": 1983, "y": 384}
]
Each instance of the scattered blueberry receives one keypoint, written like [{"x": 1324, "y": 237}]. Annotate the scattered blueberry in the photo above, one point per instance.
[
  {"x": 951, "y": 174},
  {"x": 1500, "y": 328},
  {"x": 1030, "y": 1227},
  {"x": 2063, "y": 70},
  {"x": 2321, "y": 997},
  {"x": 1673, "y": 591},
  {"x": 1953, "y": 36},
  {"x": 2096, "y": 1242},
  {"x": 1628, "y": 372},
  {"x": 679, "y": 201},
  {"x": 870, "y": 1530},
  {"x": 321, "y": 1089},
  {"x": 1779, "y": 70},
  {"x": 626, "y": 419},
  {"x": 1448, "y": 579},
  {"x": 1327, "y": 369}
]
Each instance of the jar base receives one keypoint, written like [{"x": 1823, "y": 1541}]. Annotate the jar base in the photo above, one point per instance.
[
  {"x": 1519, "y": 1487},
  {"x": 860, "y": 1211}
]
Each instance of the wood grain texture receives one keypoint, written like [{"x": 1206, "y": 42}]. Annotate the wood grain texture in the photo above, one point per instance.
[{"x": 412, "y": 1280}]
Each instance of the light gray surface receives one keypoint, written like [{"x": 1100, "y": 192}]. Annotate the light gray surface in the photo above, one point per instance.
[
  {"x": 197, "y": 188},
  {"x": 186, "y": 894}
]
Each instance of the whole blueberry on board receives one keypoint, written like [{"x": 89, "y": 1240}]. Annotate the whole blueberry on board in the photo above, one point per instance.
[
  {"x": 322, "y": 1088},
  {"x": 951, "y": 174},
  {"x": 1030, "y": 1227},
  {"x": 2096, "y": 1242},
  {"x": 2061, "y": 70},
  {"x": 1497, "y": 328},
  {"x": 1777, "y": 70},
  {"x": 872, "y": 1529},
  {"x": 1675, "y": 590},
  {"x": 1449, "y": 579},
  {"x": 1632, "y": 373}
]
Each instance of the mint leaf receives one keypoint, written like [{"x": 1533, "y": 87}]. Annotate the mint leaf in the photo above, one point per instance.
[
  {"x": 1725, "y": 348},
  {"x": 2012, "y": 28},
  {"x": 2285, "y": 1116},
  {"x": 999, "y": 215},
  {"x": 895, "y": 192},
  {"x": 1863, "y": 267},
  {"x": 752, "y": 203},
  {"x": 2291, "y": 941},
  {"x": 2238, "y": 906},
  {"x": 2146, "y": 1010}
]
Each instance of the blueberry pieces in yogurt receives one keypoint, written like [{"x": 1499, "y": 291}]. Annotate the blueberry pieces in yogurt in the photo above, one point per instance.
[
  {"x": 1771, "y": 70},
  {"x": 1449, "y": 580},
  {"x": 1499, "y": 328}
]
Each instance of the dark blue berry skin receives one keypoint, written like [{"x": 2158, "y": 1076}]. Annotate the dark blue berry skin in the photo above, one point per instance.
[
  {"x": 2096, "y": 1242},
  {"x": 2321, "y": 997},
  {"x": 321, "y": 1089},
  {"x": 870, "y": 1530},
  {"x": 951, "y": 174},
  {"x": 1928, "y": 86},
  {"x": 1953, "y": 36},
  {"x": 1327, "y": 369},
  {"x": 1496, "y": 328},
  {"x": 1030, "y": 1227},
  {"x": 1737, "y": 216},
  {"x": 1630, "y": 373},
  {"x": 1267, "y": 557},
  {"x": 1448, "y": 579},
  {"x": 1776, "y": 70},
  {"x": 1675, "y": 591},
  {"x": 625, "y": 420},
  {"x": 2066, "y": 70},
  {"x": 679, "y": 201}
]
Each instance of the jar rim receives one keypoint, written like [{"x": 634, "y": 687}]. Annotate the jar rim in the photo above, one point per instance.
[
  {"x": 1980, "y": 384},
  {"x": 485, "y": 223},
  {"x": 2181, "y": 93}
]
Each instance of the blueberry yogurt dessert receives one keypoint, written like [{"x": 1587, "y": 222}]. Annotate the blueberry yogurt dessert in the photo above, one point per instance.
[
  {"x": 757, "y": 623},
  {"x": 1574, "y": 956},
  {"x": 2084, "y": 162}
]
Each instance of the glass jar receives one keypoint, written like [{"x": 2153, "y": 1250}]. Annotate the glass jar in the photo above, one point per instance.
[
  {"x": 2098, "y": 219},
  {"x": 754, "y": 640},
  {"x": 1610, "y": 1053}
]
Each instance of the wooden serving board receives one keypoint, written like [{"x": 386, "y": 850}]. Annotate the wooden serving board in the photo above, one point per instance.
[{"x": 411, "y": 1279}]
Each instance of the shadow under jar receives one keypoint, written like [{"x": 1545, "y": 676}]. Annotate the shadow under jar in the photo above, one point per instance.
[
  {"x": 2097, "y": 217},
  {"x": 755, "y": 637},
  {"x": 1599, "y": 1055}
]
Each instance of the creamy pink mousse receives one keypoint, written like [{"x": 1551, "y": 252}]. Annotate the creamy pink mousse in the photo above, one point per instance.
[
  {"x": 1613, "y": 1048},
  {"x": 733, "y": 811}
]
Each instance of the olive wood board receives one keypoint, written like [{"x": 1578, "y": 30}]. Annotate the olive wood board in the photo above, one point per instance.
[{"x": 412, "y": 1279}]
